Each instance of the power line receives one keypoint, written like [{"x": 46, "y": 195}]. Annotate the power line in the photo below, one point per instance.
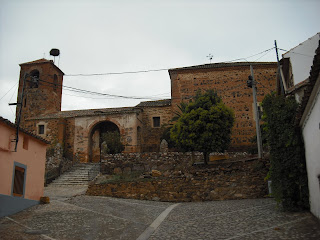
[
  {"x": 106, "y": 97},
  {"x": 116, "y": 73},
  {"x": 251, "y": 55},
  {"x": 110, "y": 96},
  {"x": 295, "y": 53},
  {"x": 78, "y": 90},
  {"x": 263, "y": 55},
  {"x": 9, "y": 90},
  {"x": 264, "y": 86},
  {"x": 151, "y": 70}
]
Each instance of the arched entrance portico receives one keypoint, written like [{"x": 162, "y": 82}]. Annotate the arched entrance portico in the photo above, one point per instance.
[{"x": 95, "y": 138}]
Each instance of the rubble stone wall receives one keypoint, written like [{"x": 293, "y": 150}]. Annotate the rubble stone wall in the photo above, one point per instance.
[
  {"x": 220, "y": 181},
  {"x": 230, "y": 83},
  {"x": 151, "y": 136},
  {"x": 144, "y": 162}
]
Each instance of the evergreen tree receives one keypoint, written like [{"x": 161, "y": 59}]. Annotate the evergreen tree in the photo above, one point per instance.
[{"x": 204, "y": 126}]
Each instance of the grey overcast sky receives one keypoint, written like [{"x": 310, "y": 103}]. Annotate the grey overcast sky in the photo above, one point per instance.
[{"x": 103, "y": 36}]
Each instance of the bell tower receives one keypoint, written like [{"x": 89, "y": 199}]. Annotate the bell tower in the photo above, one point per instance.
[{"x": 42, "y": 83}]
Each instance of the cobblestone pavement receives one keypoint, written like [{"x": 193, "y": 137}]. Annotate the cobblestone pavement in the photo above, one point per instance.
[
  {"x": 72, "y": 215},
  {"x": 237, "y": 219}
]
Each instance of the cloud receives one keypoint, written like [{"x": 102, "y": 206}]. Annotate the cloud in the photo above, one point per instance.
[{"x": 117, "y": 36}]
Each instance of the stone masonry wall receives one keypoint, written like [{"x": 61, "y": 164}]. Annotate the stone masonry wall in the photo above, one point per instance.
[
  {"x": 144, "y": 162},
  {"x": 69, "y": 139},
  {"x": 50, "y": 129},
  {"x": 220, "y": 181},
  {"x": 151, "y": 135},
  {"x": 230, "y": 83},
  {"x": 44, "y": 99}
]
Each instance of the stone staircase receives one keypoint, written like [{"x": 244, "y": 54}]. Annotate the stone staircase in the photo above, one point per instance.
[{"x": 79, "y": 174}]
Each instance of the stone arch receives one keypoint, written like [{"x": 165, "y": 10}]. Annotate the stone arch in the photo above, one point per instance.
[
  {"x": 95, "y": 138},
  {"x": 34, "y": 79}
]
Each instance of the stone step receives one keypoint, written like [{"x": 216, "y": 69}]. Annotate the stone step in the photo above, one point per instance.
[
  {"x": 75, "y": 175},
  {"x": 78, "y": 175},
  {"x": 71, "y": 179},
  {"x": 68, "y": 184},
  {"x": 63, "y": 182}
]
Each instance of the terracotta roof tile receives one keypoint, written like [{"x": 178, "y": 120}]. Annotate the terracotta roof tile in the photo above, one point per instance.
[
  {"x": 87, "y": 112},
  {"x": 159, "y": 103},
  {"x": 314, "y": 74},
  {"x": 42, "y": 60},
  {"x": 221, "y": 65},
  {"x": 10, "y": 124}
]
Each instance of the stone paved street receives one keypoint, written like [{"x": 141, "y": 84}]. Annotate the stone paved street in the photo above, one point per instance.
[{"x": 72, "y": 215}]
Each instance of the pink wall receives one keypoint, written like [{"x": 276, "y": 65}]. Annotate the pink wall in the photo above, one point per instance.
[{"x": 33, "y": 158}]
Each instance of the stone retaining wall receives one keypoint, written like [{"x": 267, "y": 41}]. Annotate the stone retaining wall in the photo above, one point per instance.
[
  {"x": 144, "y": 162},
  {"x": 221, "y": 181},
  {"x": 162, "y": 161}
]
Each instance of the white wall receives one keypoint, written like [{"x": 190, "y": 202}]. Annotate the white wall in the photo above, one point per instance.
[
  {"x": 301, "y": 58},
  {"x": 311, "y": 135}
]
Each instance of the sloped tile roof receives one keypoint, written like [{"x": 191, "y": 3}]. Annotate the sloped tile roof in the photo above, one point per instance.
[
  {"x": 301, "y": 43},
  {"x": 87, "y": 112},
  {"x": 159, "y": 103},
  {"x": 314, "y": 74},
  {"x": 221, "y": 65},
  {"x": 12, "y": 125},
  {"x": 42, "y": 60}
]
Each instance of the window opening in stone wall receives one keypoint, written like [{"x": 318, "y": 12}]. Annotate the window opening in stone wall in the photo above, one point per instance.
[
  {"x": 25, "y": 102},
  {"x": 55, "y": 83},
  {"x": 40, "y": 129},
  {"x": 25, "y": 143},
  {"x": 34, "y": 79},
  {"x": 156, "y": 122},
  {"x": 18, "y": 181}
]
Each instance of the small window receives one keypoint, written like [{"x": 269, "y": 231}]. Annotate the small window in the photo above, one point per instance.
[
  {"x": 18, "y": 181},
  {"x": 156, "y": 122},
  {"x": 40, "y": 129},
  {"x": 25, "y": 143}
]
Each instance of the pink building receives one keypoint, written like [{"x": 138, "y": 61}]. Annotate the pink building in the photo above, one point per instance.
[{"x": 21, "y": 171}]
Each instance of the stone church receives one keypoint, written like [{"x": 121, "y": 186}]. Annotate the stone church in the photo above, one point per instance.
[{"x": 140, "y": 126}]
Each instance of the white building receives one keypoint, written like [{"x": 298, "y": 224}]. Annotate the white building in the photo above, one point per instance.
[
  {"x": 310, "y": 124},
  {"x": 300, "y": 68},
  {"x": 296, "y": 65}
]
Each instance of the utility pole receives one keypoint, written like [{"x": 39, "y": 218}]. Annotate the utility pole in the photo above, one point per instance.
[
  {"x": 18, "y": 118},
  {"x": 279, "y": 69},
  {"x": 251, "y": 83}
]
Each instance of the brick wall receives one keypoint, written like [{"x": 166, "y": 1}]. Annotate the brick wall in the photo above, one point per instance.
[
  {"x": 44, "y": 99},
  {"x": 230, "y": 83}
]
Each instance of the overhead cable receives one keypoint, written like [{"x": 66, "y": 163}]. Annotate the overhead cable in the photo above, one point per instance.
[
  {"x": 151, "y": 70},
  {"x": 78, "y": 90}
]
